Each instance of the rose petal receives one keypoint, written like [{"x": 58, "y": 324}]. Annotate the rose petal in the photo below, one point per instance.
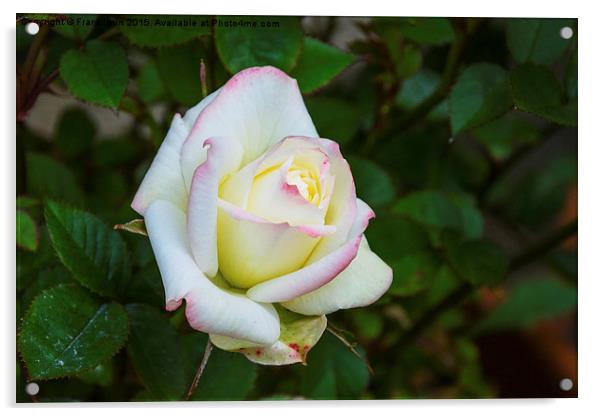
[
  {"x": 223, "y": 157},
  {"x": 274, "y": 199},
  {"x": 258, "y": 106},
  {"x": 252, "y": 249},
  {"x": 193, "y": 113},
  {"x": 318, "y": 273},
  {"x": 208, "y": 308},
  {"x": 342, "y": 209},
  {"x": 163, "y": 180},
  {"x": 365, "y": 280}
]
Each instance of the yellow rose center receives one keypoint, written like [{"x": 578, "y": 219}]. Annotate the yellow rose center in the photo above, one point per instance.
[{"x": 306, "y": 181}]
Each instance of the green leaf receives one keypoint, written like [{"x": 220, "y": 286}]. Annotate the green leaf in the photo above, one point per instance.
[
  {"x": 529, "y": 302},
  {"x": 334, "y": 118},
  {"x": 48, "y": 178},
  {"x": 318, "y": 64},
  {"x": 228, "y": 375},
  {"x": 75, "y": 132},
  {"x": 115, "y": 152},
  {"x": 57, "y": 46},
  {"x": 66, "y": 331},
  {"x": 536, "y": 90},
  {"x": 156, "y": 353},
  {"x": 537, "y": 40},
  {"x": 26, "y": 202},
  {"x": 479, "y": 262},
  {"x": 442, "y": 210},
  {"x": 503, "y": 136},
  {"x": 413, "y": 273},
  {"x": 418, "y": 88},
  {"x": 102, "y": 375},
  {"x": 393, "y": 237},
  {"x": 179, "y": 68},
  {"x": 428, "y": 30},
  {"x": 369, "y": 324},
  {"x": 96, "y": 255},
  {"x": 261, "y": 40},
  {"x": 146, "y": 286},
  {"x": 97, "y": 74},
  {"x": 45, "y": 279},
  {"x": 76, "y": 26},
  {"x": 164, "y": 30},
  {"x": 27, "y": 231},
  {"x": 333, "y": 372},
  {"x": 481, "y": 94},
  {"x": 150, "y": 85},
  {"x": 372, "y": 183},
  {"x": 29, "y": 264}
]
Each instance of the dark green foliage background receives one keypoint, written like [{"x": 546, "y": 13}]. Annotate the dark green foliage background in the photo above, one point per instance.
[{"x": 461, "y": 134}]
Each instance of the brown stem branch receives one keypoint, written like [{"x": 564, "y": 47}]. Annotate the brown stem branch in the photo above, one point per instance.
[
  {"x": 200, "y": 369},
  {"x": 456, "y": 297}
]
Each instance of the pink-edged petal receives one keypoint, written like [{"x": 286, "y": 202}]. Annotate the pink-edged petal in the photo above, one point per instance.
[
  {"x": 193, "y": 113},
  {"x": 318, "y": 273},
  {"x": 312, "y": 230},
  {"x": 252, "y": 249},
  {"x": 342, "y": 209},
  {"x": 163, "y": 180},
  {"x": 209, "y": 308},
  {"x": 224, "y": 156},
  {"x": 258, "y": 106},
  {"x": 365, "y": 280}
]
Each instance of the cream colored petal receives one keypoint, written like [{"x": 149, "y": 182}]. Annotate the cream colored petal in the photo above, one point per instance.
[
  {"x": 365, "y": 280},
  {"x": 223, "y": 157},
  {"x": 252, "y": 250},
  {"x": 320, "y": 272}
]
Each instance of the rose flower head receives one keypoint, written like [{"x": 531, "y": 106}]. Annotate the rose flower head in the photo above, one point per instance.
[{"x": 254, "y": 221}]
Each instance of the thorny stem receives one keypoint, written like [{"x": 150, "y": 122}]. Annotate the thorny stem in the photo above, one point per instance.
[
  {"x": 526, "y": 256},
  {"x": 203, "y": 76},
  {"x": 34, "y": 51},
  {"x": 452, "y": 65},
  {"x": 200, "y": 369},
  {"x": 499, "y": 170},
  {"x": 331, "y": 328}
]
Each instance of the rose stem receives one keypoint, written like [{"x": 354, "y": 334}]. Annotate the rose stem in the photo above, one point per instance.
[{"x": 200, "y": 369}]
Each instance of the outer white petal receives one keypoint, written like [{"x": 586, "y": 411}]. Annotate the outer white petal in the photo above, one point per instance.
[
  {"x": 193, "y": 113},
  {"x": 223, "y": 157},
  {"x": 258, "y": 106},
  {"x": 208, "y": 308},
  {"x": 365, "y": 280},
  {"x": 318, "y": 273},
  {"x": 163, "y": 180}
]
